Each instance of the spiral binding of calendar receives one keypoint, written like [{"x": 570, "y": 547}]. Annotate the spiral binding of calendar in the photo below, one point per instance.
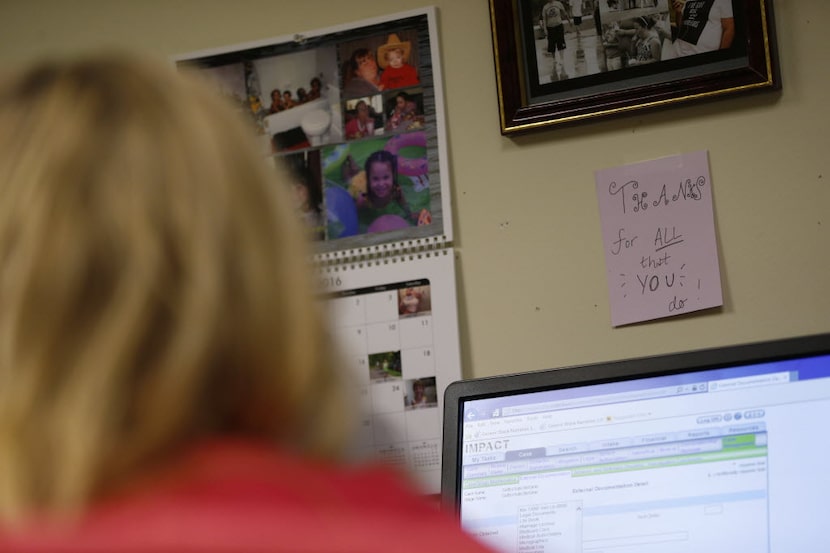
[{"x": 382, "y": 254}]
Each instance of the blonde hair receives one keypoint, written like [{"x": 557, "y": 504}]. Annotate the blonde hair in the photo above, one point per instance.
[{"x": 154, "y": 284}]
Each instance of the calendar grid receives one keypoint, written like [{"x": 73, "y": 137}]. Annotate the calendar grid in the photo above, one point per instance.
[{"x": 399, "y": 340}]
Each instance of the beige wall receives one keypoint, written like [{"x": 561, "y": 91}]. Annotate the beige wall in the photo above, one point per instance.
[{"x": 531, "y": 274}]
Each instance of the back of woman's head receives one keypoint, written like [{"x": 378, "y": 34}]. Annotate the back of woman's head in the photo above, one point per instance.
[{"x": 153, "y": 283}]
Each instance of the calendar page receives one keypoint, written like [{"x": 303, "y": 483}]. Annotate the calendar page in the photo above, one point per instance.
[
  {"x": 395, "y": 321},
  {"x": 330, "y": 126}
]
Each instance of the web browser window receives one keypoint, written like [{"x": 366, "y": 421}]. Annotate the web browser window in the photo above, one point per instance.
[{"x": 709, "y": 461}]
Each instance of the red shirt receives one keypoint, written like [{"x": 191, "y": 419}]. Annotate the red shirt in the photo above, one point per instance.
[
  {"x": 405, "y": 75},
  {"x": 243, "y": 497}
]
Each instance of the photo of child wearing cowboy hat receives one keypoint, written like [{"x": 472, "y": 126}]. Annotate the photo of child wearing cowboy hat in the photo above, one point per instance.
[{"x": 393, "y": 58}]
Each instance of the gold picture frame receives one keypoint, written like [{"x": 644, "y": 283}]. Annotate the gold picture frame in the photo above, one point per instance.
[{"x": 528, "y": 102}]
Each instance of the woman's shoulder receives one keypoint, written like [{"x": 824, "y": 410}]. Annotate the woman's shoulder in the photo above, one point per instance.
[{"x": 248, "y": 497}]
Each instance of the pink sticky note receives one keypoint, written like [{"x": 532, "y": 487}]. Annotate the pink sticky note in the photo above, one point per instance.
[{"x": 658, "y": 232}]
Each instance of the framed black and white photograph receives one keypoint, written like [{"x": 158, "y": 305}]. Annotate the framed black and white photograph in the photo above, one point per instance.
[{"x": 567, "y": 61}]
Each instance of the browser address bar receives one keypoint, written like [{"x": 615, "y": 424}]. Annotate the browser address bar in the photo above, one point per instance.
[{"x": 651, "y": 393}]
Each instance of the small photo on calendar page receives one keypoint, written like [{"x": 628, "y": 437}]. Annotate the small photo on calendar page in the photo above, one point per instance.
[
  {"x": 385, "y": 366},
  {"x": 421, "y": 393},
  {"x": 414, "y": 300}
]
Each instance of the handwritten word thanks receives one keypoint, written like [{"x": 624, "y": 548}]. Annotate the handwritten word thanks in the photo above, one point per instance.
[{"x": 631, "y": 199}]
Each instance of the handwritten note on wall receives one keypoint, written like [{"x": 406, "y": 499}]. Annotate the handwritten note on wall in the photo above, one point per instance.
[{"x": 658, "y": 232}]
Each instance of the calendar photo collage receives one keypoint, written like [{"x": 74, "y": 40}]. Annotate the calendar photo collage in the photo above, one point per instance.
[{"x": 355, "y": 115}]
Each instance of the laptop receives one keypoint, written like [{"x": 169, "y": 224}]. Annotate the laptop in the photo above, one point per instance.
[{"x": 716, "y": 450}]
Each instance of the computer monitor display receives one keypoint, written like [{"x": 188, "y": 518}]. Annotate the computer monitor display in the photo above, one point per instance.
[{"x": 719, "y": 450}]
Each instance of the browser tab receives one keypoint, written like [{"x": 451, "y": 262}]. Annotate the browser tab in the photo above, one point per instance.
[
  {"x": 524, "y": 454},
  {"x": 729, "y": 384}
]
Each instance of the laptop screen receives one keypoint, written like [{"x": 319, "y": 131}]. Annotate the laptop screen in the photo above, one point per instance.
[{"x": 716, "y": 450}]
